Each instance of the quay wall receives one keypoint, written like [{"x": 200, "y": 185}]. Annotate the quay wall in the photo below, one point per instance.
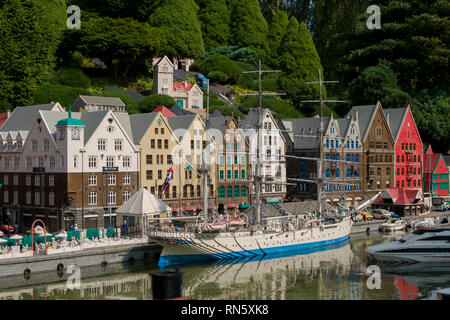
[
  {"x": 106, "y": 260},
  {"x": 374, "y": 225}
]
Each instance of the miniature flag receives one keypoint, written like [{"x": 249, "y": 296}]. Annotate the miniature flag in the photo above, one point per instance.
[{"x": 166, "y": 184}]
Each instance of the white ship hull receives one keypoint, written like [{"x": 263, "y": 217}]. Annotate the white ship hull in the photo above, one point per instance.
[{"x": 185, "y": 247}]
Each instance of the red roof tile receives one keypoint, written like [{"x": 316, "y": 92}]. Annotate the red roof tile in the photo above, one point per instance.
[
  {"x": 165, "y": 112},
  {"x": 180, "y": 85},
  {"x": 3, "y": 118}
]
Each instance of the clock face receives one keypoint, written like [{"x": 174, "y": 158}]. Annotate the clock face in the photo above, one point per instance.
[{"x": 75, "y": 134}]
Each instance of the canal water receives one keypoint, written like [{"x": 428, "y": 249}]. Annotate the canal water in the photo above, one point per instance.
[{"x": 339, "y": 272}]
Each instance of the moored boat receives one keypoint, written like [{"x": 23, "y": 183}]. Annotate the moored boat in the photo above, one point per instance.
[{"x": 394, "y": 225}]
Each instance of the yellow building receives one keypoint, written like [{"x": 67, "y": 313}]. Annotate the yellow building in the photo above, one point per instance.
[
  {"x": 189, "y": 132},
  {"x": 155, "y": 141}
]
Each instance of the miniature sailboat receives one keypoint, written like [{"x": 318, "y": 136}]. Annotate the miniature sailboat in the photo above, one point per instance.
[{"x": 241, "y": 237}]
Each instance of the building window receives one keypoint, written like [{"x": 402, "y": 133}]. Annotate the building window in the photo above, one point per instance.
[
  {"x": 149, "y": 174},
  {"x": 169, "y": 159},
  {"x": 34, "y": 145},
  {"x": 126, "y": 196},
  {"x": 92, "y": 180},
  {"x": 110, "y": 161},
  {"x": 28, "y": 180},
  {"x": 92, "y": 162},
  {"x": 159, "y": 174},
  {"x": 118, "y": 145},
  {"x": 174, "y": 191},
  {"x": 112, "y": 179},
  {"x": 111, "y": 197},
  {"x": 37, "y": 181},
  {"x": 46, "y": 145},
  {"x": 101, "y": 145},
  {"x": 51, "y": 199},
  {"x": 126, "y": 162},
  {"x": 236, "y": 191},
  {"x": 29, "y": 163},
  {"x": 51, "y": 181},
  {"x": 236, "y": 174},
  {"x": 92, "y": 199},
  {"x": 37, "y": 198},
  {"x": 152, "y": 143},
  {"x": 149, "y": 159},
  {"x": 52, "y": 162},
  {"x": 166, "y": 144},
  {"x": 242, "y": 174},
  {"x": 228, "y": 174},
  {"x": 221, "y": 175},
  {"x": 159, "y": 144},
  {"x": 6, "y": 196},
  {"x": 222, "y": 192},
  {"x": 229, "y": 192},
  {"x": 126, "y": 179},
  {"x": 28, "y": 197}
]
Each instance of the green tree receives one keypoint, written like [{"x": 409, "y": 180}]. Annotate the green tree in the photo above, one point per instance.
[
  {"x": 300, "y": 63},
  {"x": 214, "y": 18},
  {"x": 219, "y": 63},
  {"x": 29, "y": 35},
  {"x": 63, "y": 94},
  {"x": 180, "y": 26},
  {"x": 119, "y": 43},
  {"x": 148, "y": 104},
  {"x": 378, "y": 84},
  {"x": 249, "y": 28},
  {"x": 72, "y": 77},
  {"x": 271, "y": 8},
  {"x": 277, "y": 31},
  {"x": 414, "y": 40},
  {"x": 431, "y": 110}
]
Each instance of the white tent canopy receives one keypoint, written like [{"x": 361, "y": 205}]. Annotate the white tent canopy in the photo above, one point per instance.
[{"x": 144, "y": 203}]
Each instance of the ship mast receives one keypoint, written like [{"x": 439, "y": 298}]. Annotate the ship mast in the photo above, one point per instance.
[
  {"x": 205, "y": 170},
  {"x": 321, "y": 102},
  {"x": 258, "y": 176}
]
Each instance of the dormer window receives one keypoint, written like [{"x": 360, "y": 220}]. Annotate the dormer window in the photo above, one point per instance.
[{"x": 19, "y": 145}]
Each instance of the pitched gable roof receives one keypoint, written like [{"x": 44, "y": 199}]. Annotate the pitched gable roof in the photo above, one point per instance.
[
  {"x": 165, "y": 112},
  {"x": 140, "y": 124},
  {"x": 21, "y": 119},
  {"x": 305, "y": 131},
  {"x": 364, "y": 115},
  {"x": 102, "y": 101},
  {"x": 180, "y": 112},
  {"x": 396, "y": 118},
  {"x": 181, "y": 122},
  {"x": 180, "y": 85}
]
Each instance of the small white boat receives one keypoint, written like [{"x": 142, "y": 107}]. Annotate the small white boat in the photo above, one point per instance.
[
  {"x": 236, "y": 221},
  {"x": 213, "y": 226},
  {"x": 394, "y": 225},
  {"x": 428, "y": 222}
]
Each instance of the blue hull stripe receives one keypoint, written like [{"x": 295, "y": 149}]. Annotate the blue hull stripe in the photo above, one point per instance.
[{"x": 168, "y": 260}]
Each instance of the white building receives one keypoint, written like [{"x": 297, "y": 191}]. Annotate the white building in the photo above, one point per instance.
[
  {"x": 273, "y": 144},
  {"x": 187, "y": 95}
]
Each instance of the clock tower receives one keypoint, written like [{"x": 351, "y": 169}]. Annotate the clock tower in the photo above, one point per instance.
[{"x": 70, "y": 139}]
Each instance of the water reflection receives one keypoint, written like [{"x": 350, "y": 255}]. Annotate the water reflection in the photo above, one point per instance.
[{"x": 336, "y": 273}]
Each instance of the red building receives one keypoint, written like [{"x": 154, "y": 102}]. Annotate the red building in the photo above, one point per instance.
[
  {"x": 436, "y": 174},
  {"x": 408, "y": 160}
]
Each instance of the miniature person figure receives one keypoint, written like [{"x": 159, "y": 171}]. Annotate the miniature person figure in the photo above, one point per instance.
[{"x": 124, "y": 226}]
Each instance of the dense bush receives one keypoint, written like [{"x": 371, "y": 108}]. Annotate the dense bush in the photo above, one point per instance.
[
  {"x": 280, "y": 107},
  {"x": 63, "y": 94},
  {"x": 148, "y": 104},
  {"x": 219, "y": 62},
  {"x": 5, "y": 105},
  {"x": 71, "y": 77}
]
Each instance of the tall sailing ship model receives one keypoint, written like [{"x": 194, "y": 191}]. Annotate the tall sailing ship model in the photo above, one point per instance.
[{"x": 251, "y": 234}]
